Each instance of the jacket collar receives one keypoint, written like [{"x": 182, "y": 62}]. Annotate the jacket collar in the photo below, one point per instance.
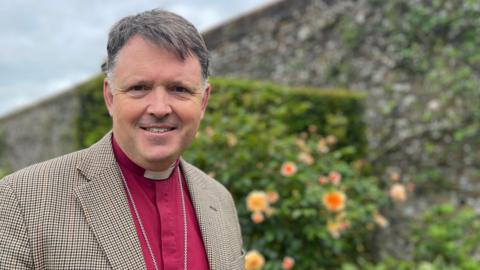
[{"x": 106, "y": 207}]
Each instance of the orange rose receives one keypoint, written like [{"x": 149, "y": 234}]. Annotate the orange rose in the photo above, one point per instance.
[
  {"x": 380, "y": 220},
  {"x": 254, "y": 260},
  {"x": 257, "y": 201},
  {"x": 398, "y": 193},
  {"x": 322, "y": 146},
  {"x": 334, "y": 201},
  {"x": 288, "y": 168},
  {"x": 331, "y": 139},
  {"x": 394, "y": 176},
  {"x": 257, "y": 217},
  {"x": 288, "y": 263}
]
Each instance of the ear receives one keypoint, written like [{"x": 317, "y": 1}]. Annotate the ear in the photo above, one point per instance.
[
  {"x": 108, "y": 95},
  {"x": 206, "y": 95}
]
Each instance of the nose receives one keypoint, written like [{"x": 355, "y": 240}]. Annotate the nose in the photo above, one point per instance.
[{"x": 159, "y": 103}]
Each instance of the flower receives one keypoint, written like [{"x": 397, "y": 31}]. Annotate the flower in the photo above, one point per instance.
[
  {"x": 398, "y": 193},
  {"x": 338, "y": 225},
  {"x": 209, "y": 131},
  {"x": 254, "y": 260},
  {"x": 333, "y": 229},
  {"x": 380, "y": 220},
  {"x": 323, "y": 180},
  {"x": 394, "y": 176},
  {"x": 322, "y": 146},
  {"x": 331, "y": 139},
  {"x": 231, "y": 139},
  {"x": 288, "y": 168},
  {"x": 257, "y": 217},
  {"x": 257, "y": 201},
  {"x": 288, "y": 263},
  {"x": 358, "y": 164},
  {"x": 306, "y": 158},
  {"x": 334, "y": 201},
  {"x": 301, "y": 144},
  {"x": 312, "y": 128},
  {"x": 411, "y": 187},
  {"x": 272, "y": 196},
  {"x": 335, "y": 177}
]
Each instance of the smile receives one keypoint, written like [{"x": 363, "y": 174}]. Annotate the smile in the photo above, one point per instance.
[{"x": 158, "y": 130}]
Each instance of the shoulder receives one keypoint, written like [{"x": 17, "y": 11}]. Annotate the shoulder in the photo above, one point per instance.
[
  {"x": 63, "y": 170},
  {"x": 44, "y": 173},
  {"x": 205, "y": 180}
]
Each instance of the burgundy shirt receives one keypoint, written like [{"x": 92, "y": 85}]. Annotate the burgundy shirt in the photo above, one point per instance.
[{"x": 159, "y": 204}]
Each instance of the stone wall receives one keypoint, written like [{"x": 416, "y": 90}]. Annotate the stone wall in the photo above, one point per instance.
[
  {"x": 40, "y": 132},
  {"x": 318, "y": 43},
  {"x": 339, "y": 43}
]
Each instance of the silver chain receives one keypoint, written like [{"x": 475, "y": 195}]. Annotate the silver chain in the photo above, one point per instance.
[
  {"x": 184, "y": 212},
  {"x": 185, "y": 231}
]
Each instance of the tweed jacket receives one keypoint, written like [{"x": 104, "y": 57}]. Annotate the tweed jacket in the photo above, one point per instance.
[{"x": 72, "y": 213}]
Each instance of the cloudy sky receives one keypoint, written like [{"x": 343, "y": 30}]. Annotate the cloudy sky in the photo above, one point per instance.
[{"x": 48, "y": 46}]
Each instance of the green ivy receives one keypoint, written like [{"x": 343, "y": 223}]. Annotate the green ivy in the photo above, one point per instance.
[
  {"x": 251, "y": 129},
  {"x": 332, "y": 111},
  {"x": 435, "y": 43},
  {"x": 93, "y": 118},
  {"x": 446, "y": 237}
]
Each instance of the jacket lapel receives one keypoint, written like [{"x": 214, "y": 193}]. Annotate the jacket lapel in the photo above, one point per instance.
[
  {"x": 106, "y": 208},
  {"x": 209, "y": 216}
]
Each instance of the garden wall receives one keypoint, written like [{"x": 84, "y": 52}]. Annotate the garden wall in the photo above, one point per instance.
[{"x": 417, "y": 62}]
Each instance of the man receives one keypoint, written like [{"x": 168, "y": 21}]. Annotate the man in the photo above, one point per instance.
[{"x": 129, "y": 201}]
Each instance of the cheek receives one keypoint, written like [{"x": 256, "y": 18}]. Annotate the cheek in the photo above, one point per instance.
[{"x": 126, "y": 111}]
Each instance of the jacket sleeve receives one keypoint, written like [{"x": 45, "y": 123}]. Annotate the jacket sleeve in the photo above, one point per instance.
[{"x": 14, "y": 244}]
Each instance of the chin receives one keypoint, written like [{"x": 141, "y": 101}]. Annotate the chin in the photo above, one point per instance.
[{"x": 163, "y": 156}]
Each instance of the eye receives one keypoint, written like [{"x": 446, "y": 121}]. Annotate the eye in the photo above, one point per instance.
[
  {"x": 180, "y": 89},
  {"x": 137, "y": 88}
]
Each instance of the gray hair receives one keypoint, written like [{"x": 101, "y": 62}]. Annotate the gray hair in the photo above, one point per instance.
[{"x": 163, "y": 28}]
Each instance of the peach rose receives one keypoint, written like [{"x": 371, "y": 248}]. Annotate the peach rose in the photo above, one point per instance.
[
  {"x": 254, "y": 260},
  {"x": 288, "y": 168},
  {"x": 257, "y": 201},
  {"x": 335, "y": 177},
  {"x": 398, "y": 193},
  {"x": 288, "y": 263},
  {"x": 272, "y": 196},
  {"x": 257, "y": 217}
]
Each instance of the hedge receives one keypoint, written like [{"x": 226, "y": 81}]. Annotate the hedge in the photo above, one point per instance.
[{"x": 299, "y": 146}]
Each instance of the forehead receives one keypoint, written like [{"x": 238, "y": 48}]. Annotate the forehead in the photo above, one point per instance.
[{"x": 140, "y": 57}]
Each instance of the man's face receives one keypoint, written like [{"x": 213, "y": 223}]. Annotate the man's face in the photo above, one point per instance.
[{"x": 156, "y": 101}]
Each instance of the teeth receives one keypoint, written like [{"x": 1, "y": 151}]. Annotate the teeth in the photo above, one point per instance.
[{"x": 158, "y": 130}]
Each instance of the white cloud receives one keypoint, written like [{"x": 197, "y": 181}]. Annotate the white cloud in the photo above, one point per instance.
[{"x": 47, "y": 47}]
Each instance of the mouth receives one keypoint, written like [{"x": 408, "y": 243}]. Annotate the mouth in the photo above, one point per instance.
[{"x": 157, "y": 130}]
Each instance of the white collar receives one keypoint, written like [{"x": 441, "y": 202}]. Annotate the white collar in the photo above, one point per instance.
[{"x": 159, "y": 175}]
